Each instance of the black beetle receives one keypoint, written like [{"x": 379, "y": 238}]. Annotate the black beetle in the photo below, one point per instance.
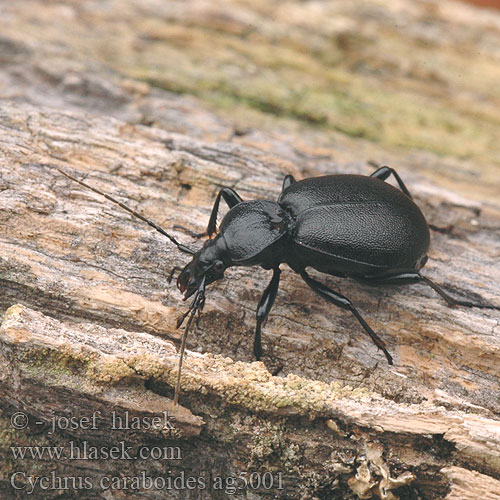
[{"x": 352, "y": 226}]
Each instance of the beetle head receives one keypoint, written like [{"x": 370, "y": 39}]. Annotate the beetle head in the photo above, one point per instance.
[{"x": 207, "y": 266}]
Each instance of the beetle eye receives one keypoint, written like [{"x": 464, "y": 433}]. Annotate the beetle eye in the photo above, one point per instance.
[{"x": 219, "y": 266}]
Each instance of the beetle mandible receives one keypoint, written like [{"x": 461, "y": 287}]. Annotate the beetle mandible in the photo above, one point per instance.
[{"x": 353, "y": 226}]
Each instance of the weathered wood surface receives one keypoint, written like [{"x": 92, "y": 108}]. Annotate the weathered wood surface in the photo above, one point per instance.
[{"x": 96, "y": 327}]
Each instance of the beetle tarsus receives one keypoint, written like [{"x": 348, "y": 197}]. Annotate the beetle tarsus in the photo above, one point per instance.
[
  {"x": 408, "y": 278},
  {"x": 344, "y": 303},
  {"x": 452, "y": 301}
]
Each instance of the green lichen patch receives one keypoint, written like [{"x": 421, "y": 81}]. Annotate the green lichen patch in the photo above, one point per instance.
[
  {"x": 82, "y": 364},
  {"x": 362, "y": 72}
]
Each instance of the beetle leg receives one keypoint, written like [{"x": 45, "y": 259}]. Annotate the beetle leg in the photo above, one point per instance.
[
  {"x": 287, "y": 182},
  {"x": 231, "y": 197},
  {"x": 265, "y": 304},
  {"x": 343, "y": 302},
  {"x": 383, "y": 172},
  {"x": 408, "y": 278}
]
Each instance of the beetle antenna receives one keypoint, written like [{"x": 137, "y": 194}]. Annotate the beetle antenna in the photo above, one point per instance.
[
  {"x": 196, "y": 305},
  {"x": 155, "y": 226}
]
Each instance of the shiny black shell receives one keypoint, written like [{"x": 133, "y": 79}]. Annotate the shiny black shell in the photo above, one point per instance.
[
  {"x": 251, "y": 231},
  {"x": 353, "y": 225}
]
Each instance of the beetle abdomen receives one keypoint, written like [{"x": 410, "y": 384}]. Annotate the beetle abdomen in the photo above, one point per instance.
[{"x": 355, "y": 225}]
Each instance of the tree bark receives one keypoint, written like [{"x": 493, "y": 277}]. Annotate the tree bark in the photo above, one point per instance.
[{"x": 89, "y": 325}]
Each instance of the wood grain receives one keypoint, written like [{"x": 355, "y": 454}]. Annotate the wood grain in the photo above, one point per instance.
[{"x": 91, "y": 314}]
